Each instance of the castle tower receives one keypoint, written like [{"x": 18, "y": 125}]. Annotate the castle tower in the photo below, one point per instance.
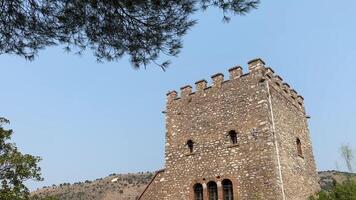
[{"x": 243, "y": 138}]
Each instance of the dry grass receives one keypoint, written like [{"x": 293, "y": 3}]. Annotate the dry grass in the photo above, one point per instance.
[
  {"x": 130, "y": 186},
  {"x": 127, "y": 187},
  {"x": 329, "y": 178}
]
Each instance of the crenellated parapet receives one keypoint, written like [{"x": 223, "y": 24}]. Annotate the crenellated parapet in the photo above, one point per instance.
[
  {"x": 285, "y": 88},
  {"x": 257, "y": 67}
]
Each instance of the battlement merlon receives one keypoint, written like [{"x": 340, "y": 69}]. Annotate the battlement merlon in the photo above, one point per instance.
[
  {"x": 201, "y": 85},
  {"x": 255, "y": 65},
  {"x": 172, "y": 95},
  {"x": 235, "y": 72},
  {"x": 185, "y": 91},
  {"x": 218, "y": 79}
]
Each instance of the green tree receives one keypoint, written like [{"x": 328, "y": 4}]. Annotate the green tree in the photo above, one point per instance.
[
  {"x": 141, "y": 29},
  {"x": 347, "y": 155},
  {"x": 36, "y": 197},
  {"x": 344, "y": 191},
  {"x": 15, "y": 167}
]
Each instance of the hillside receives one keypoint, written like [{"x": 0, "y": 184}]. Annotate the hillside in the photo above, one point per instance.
[
  {"x": 113, "y": 187},
  {"x": 329, "y": 178},
  {"x": 130, "y": 186}
]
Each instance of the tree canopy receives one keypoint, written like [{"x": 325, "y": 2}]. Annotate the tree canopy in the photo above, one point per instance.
[
  {"x": 140, "y": 29},
  {"x": 15, "y": 168}
]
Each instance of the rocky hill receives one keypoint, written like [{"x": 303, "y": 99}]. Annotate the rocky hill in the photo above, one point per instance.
[{"x": 130, "y": 186}]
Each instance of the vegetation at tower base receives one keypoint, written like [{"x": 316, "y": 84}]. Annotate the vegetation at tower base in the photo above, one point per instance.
[
  {"x": 141, "y": 29},
  {"x": 133, "y": 184},
  {"x": 343, "y": 191},
  {"x": 35, "y": 197},
  {"x": 340, "y": 190},
  {"x": 15, "y": 167}
]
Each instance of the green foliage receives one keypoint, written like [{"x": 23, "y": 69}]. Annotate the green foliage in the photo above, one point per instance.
[
  {"x": 15, "y": 168},
  {"x": 347, "y": 154},
  {"x": 344, "y": 191},
  {"x": 35, "y": 197},
  {"x": 141, "y": 29}
]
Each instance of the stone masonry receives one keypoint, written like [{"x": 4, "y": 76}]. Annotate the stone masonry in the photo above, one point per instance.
[{"x": 249, "y": 131}]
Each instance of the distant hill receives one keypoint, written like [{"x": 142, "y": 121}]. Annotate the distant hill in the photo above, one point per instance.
[
  {"x": 329, "y": 178},
  {"x": 130, "y": 186},
  {"x": 113, "y": 187}
]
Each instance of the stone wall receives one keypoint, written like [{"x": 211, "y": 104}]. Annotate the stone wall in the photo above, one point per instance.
[
  {"x": 206, "y": 117},
  {"x": 298, "y": 171},
  {"x": 154, "y": 190},
  {"x": 266, "y": 114}
]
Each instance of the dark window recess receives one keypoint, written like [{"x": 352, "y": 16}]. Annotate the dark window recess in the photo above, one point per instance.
[
  {"x": 299, "y": 147},
  {"x": 233, "y": 136},
  {"x": 228, "y": 193},
  {"x": 190, "y": 145},
  {"x": 198, "y": 191},
  {"x": 213, "y": 190}
]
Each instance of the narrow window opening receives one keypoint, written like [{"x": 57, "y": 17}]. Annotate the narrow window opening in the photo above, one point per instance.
[
  {"x": 299, "y": 147},
  {"x": 233, "y": 136},
  {"x": 190, "y": 145},
  {"x": 213, "y": 190},
  {"x": 228, "y": 193},
  {"x": 198, "y": 191}
]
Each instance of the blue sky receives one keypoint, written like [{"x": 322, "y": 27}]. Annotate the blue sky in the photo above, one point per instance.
[{"x": 88, "y": 119}]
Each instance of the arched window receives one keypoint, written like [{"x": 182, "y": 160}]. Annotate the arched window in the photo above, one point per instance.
[
  {"x": 190, "y": 145},
  {"x": 198, "y": 191},
  {"x": 228, "y": 193},
  {"x": 213, "y": 190},
  {"x": 299, "y": 147},
  {"x": 233, "y": 136}
]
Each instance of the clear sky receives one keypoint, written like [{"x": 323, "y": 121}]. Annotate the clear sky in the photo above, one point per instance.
[{"x": 87, "y": 119}]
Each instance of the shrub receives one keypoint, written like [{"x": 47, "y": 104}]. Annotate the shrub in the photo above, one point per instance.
[{"x": 344, "y": 191}]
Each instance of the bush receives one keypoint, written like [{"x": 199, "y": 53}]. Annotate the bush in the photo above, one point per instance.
[
  {"x": 35, "y": 197},
  {"x": 344, "y": 191}
]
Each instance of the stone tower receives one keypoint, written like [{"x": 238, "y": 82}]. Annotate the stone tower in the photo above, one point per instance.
[{"x": 243, "y": 138}]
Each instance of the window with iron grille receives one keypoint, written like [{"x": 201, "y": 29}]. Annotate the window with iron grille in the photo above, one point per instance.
[
  {"x": 213, "y": 190},
  {"x": 198, "y": 191},
  {"x": 228, "y": 193}
]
